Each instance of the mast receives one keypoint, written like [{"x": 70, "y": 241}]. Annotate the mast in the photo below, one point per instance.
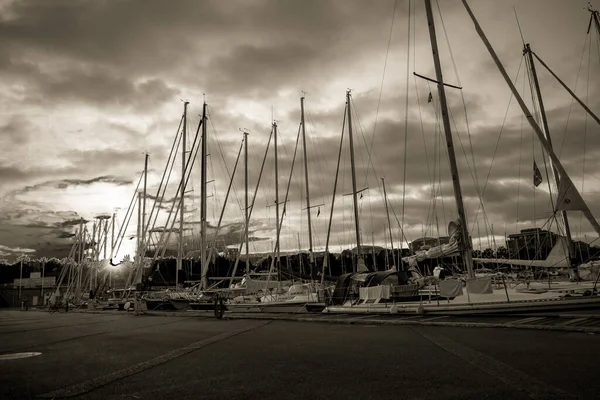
[
  {"x": 594, "y": 16},
  {"x": 562, "y": 215},
  {"x": 143, "y": 225},
  {"x": 105, "y": 240},
  {"x": 335, "y": 182},
  {"x": 575, "y": 196},
  {"x": 387, "y": 211},
  {"x": 93, "y": 258},
  {"x": 182, "y": 186},
  {"x": 112, "y": 234},
  {"x": 204, "y": 262},
  {"x": 308, "y": 210},
  {"x": 139, "y": 229},
  {"x": 112, "y": 245},
  {"x": 354, "y": 191},
  {"x": 277, "y": 245},
  {"x": 466, "y": 243},
  {"x": 246, "y": 200},
  {"x": 210, "y": 252}
]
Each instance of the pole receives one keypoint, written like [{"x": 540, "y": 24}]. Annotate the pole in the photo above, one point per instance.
[
  {"x": 595, "y": 15},
  {"x": 581, "y": 103},
  {"x": 182, "y": 193},
  {"x": 387, "y": 211},
  {"x": 143, "y": 226},
  {"x": 105, "y": 240},
  {"x": 567, "y": 182},
  {"x": 308, "y": 210},
  {"x": 277, "y": 246},
  {"x": 335, "y": 182},
  {"x": 94, "y": 227},
  {"x": 562, "y": 215},
  {"x": 112, "y": 245},
  {"x": 138, "y": 262},
  {"x": 246, "y": 200},
  {"x": 466, "y": 243},
  {"x": 204, "y": 262},
  {"x": 20, "y": 278},
  {"x": 226, "y": 198},
  {"x": 354, "y": 191},
  {"x": 43, "y": 275}
]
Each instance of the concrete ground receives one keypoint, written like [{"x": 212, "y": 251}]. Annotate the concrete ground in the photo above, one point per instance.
[{"x": 121, "y": 356}]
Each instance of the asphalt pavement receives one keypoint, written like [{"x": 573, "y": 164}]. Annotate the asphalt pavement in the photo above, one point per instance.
[{"x": 122, "y": 356}]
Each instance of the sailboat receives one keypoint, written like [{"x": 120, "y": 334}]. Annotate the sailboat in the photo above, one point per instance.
[
  {"x": 288, "y": 296},
  {"x": 480, "y": 296}
]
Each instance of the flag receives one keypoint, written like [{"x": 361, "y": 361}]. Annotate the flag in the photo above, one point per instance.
[
  {"x": 537, "y": 175},
  {"x": 430, "y": 98}
]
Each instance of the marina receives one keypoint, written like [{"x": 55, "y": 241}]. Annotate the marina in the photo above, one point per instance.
[{"x": 274, "y": 199}]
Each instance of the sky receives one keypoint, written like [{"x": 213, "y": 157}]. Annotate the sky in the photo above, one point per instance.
[{"x": 88, "y": 87}]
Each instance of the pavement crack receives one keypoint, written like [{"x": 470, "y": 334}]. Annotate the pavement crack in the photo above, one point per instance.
[{"x": 88, "y": 386}]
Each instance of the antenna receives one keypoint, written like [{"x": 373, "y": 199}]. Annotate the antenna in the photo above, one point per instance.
[{"x": 519, "y": 25}]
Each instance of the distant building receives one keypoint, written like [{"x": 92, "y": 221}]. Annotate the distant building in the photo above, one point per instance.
[{"x": 531, "y": 244}]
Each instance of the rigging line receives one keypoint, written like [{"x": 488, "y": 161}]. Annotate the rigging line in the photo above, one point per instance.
[
  {"x": 174, "y": 148},
  {"x": 519, "y": 26},
  {"x": 383, "y": 78},
  {"x": 536, "y": 114},
  {"x": 587, "y": 99},
  {"x": 572, "y": 99},
  {"x": 498, "y": 145},
  {"x": 127, "y": 218},
  {"x": 469, "y": 136},
  {"x": 370, "y": 164},
  {"x": 520, "y": 159},
  {"x": 188, "y": 167},
  {"x": 406, "y": 115},
  {"x": 536, "y": 102}
]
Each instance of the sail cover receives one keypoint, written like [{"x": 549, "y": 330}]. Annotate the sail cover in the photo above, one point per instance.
[{"x": 444, "y": 250}]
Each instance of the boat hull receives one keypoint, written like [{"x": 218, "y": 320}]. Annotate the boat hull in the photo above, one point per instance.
[
  {"x": 268, "y": 307},
  {"x": 159, "y": 305},
  {"x": 524, "y": 306},
  {"x": 179, "y": 304}
]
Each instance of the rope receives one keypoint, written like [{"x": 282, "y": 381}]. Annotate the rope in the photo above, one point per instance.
[
  {"x": 406, "y": 116},
  {"x": 382, "y": 79},
  {"x": 585, "y": 126}
]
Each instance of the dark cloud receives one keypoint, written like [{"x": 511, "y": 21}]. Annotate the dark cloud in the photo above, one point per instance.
[
  {"x": 111, "y": 74},
  {"x": 46, "y": 233}
]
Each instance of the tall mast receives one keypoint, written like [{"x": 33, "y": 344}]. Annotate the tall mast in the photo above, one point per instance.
[
  {"x": 105, "y": 240},
  {"x": 246, "y": 199},
  {"x": 112, "y": 246},
  {"x": 562, "y": 215},
  {"x": 308, "y": 210},
  {"x": 354, "y": 191},
  {"x": 335, "y": 182},
  {"x": 466, "y": 243},
  {"x": 204, "y": 263},
  {"x": 182, "y": 186},
  {"x": 570, "y": 189},
  {"x": 277, "y": 246},
  {"x": 594, "y": 16},
  {"x": 93, "y": 258},
  {"x": 387, "y": 211},
  {"x": 143, "y": 225}
]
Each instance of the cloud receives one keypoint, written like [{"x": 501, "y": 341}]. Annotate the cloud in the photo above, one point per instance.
[{"x": 81, "y": 106}]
